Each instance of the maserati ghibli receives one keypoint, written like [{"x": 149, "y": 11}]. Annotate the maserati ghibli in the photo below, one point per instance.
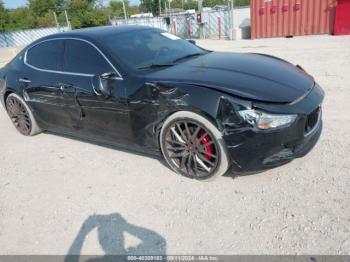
[{"x": 147, "y": 90}]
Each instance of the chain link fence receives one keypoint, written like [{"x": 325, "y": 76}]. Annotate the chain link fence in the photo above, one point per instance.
[
  {"x": 25, "y": 37},
  {"x": 215, "y": 24}
]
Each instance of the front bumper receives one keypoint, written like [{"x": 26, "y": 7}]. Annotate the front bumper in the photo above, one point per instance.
[
  {"x": 257, "y": 150},
  {"x": 263, "y": 151}
]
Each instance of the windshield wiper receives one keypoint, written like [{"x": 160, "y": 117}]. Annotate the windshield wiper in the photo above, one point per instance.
[
  {"x": 187, "y": 56},
  {"x": 153, "y": 66}
]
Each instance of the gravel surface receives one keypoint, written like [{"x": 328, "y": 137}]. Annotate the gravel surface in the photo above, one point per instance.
[{"x": 59, "y": 195}]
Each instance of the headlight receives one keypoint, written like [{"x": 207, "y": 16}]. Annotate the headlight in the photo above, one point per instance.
[{"x": 265, "y": 121}]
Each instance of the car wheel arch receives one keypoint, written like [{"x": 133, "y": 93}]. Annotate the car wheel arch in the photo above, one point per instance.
[{"x": 198, "y": 111}]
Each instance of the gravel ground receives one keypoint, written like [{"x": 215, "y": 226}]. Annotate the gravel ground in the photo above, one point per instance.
[{"x": 59, "y": 195}]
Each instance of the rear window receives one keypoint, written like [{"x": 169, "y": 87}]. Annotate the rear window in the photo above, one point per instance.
[{"x": 46, "y": 55}]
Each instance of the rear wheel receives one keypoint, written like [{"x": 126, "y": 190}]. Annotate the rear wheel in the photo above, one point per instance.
[
  {"x": 21, "y": 116},
  {"x": 193, "y": 146}
]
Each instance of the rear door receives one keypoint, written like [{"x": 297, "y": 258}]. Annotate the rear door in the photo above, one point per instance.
[{"x": 42, "y": 84}]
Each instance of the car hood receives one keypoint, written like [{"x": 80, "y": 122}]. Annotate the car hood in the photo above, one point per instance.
[{"x": 247, "y": 75}]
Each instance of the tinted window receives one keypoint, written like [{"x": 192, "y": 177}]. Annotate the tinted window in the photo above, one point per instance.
[
  {"x": 81, "y": 57},
  {"x": 147, "y": 47},
  {"x": 47, "y": 55}
]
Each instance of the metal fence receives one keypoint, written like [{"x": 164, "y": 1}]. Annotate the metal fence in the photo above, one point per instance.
[
  {"x": 216, "y": 24},
  {"x": 20, "y": 38}
]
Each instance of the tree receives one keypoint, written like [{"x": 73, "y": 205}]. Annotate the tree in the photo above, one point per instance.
[
  {"x": 3, "y": 17},
  {"x": 42, "y": 7},
  {"x": 152, "y": 6},
  {"x": 116, "y": 8},
  {"x": 20, "y": 19},
  {"x": 85, "y": 13},
  {"x": 148, "y": 6},
  {"x": 242, "y": 2}
]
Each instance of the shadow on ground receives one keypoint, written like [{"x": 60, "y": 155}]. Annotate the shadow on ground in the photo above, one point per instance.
[{"x": 111, "y": 229}]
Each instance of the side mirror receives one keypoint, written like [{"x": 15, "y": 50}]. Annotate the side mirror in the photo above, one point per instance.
[
  {"x": 103, "y": 84},
  {"x": 192, "y": 41}
]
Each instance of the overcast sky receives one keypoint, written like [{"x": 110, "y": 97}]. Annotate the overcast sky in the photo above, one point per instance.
[{"x": 17, "y": 3}]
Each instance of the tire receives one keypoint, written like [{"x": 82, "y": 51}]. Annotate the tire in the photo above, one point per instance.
[
  {"x": 198, "y": 151},
  {"x": 21, "y": 115}
]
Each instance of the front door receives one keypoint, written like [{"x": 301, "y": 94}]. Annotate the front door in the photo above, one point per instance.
[{"x": 96, "y": 117}]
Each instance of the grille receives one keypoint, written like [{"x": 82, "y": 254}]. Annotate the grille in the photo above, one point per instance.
[{"x": 312, "y": 120}]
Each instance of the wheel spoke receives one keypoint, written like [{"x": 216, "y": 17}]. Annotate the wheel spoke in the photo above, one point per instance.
[
  {"x": 179, "y": 138},
  {"x": 205, "y": 160},
  {"x": 183, "y": 136},
  {"x": 203, "y": 136},
  {"x": 189, "y": 165},
  {"x": 207, "y": 153},
  {"x": 202, "y": 146},
  {"x": 175, "y": 142},
  {"x": 183, "y": 161},
  {"x": 195, "y": 165},
  {"x": 188, "y": 132},
  {"x": 200, "y": 162},
  {"x": 176, "y": 148},
  {"x": 195, "y": 134},
  {"x": 182, "y": 154}
]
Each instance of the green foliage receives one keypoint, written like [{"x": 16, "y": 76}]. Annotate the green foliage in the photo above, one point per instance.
[
  {"x": 211, "y": 3},
  {"x": 42, "y": 7},
  {"x": 84, "y": 13},
  {"x": 189, "y": 4},
  {"x": 17, "y": 19},
  {"x": 116, "y": 8},
  {"x": 149, "y": 6},
  {"x": 3, "y": 17},
  {"x": 242, "y": 2}
]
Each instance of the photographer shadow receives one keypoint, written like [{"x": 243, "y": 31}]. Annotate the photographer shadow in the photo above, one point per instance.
[{"x": 110, "y": 229}]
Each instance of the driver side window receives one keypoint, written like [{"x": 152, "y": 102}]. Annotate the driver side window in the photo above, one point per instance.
[{"x": 81, "y": 57}]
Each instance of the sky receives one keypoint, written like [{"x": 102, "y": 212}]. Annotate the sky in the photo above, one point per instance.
[
  {"x": 17, "y": 3},
  {"x": 14, "y": 3}
]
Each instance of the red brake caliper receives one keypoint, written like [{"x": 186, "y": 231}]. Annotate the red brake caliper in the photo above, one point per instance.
[{"x": 209, "y": 149}]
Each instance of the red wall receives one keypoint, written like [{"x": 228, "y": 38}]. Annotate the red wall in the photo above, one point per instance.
[
  {"x": 342, "y": 18},
  {"x": 273, "y": 18}
]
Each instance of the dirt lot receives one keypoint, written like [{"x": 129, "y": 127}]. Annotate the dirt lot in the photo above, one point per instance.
[{"x": 60, "y": 196}]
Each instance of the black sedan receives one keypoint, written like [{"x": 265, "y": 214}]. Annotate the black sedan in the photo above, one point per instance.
[{"x": 146, "y": 89}]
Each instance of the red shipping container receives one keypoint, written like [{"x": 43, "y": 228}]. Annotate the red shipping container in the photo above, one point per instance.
[
  {"x": 342, "y": 18},
  {"x": 291, "y": 17}
]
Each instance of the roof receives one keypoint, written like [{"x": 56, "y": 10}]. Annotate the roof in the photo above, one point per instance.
[{"x": 98, "y": 32}]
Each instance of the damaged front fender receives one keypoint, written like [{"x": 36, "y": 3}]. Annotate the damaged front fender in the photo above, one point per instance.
[{"x": 155, "y": 101}]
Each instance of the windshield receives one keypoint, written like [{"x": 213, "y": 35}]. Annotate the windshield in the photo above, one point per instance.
[{"x": 150, "y": 48}]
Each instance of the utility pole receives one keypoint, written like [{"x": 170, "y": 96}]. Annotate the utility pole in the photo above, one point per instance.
[
  {"x": 56, "y": 21},
  {"x": 232, "y": 25},
  {"x": 201, "y": 25},
  {"x": 125, "y": 15},
  {"x": 67, "y": 19},
  {"x": 160, "y": 7}
]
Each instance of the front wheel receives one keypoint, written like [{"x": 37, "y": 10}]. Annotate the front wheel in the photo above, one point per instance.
[{"x": 193, "y": 146}]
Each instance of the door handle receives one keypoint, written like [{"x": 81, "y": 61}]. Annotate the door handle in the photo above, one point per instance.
[
  {"x": 24, "y": 80},
  {"x": 67, "y": 88}
]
